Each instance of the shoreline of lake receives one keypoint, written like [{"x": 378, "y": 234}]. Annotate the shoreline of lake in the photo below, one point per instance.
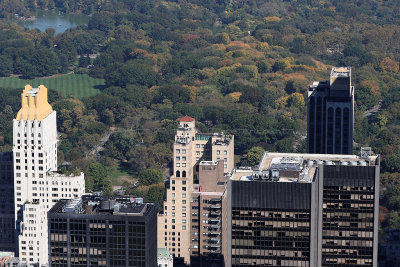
[{"x": 52, "y": 19}]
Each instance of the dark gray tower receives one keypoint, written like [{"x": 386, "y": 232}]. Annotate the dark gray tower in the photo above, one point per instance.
[{"x": 330, "y": 117}]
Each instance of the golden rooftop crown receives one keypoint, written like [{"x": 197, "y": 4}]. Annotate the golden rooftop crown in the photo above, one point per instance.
[{"x": 34, "y": 105}]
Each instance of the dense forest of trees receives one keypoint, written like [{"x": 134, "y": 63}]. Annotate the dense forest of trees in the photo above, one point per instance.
[{"x": 241, "y": 67}]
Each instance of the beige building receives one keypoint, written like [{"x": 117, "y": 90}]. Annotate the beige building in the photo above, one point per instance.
[
  {"x": 206, "y": 215},
  {"x": 190, "y": 148}
]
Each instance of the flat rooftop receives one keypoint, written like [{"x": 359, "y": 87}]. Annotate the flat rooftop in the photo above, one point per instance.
[
  {"x": 296, "y": 167},
  {"x": 92, "y": 205},
  {"x": 341, "y": 72}
]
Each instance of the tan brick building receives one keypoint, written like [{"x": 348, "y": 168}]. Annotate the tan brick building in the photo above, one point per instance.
[{"x": 190, "y": 148}]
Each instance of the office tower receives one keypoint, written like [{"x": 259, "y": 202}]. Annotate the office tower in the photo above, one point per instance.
[
  {"x": 331, "y": 114},
  {"x": 206, "y": 215},
  {"x": 393, "y": 247},
  {"x": 190, "y": 148},
  {"x": 303, "y": 210},
  {"x": 7, "y": 217},
  {"x": 99, "y": 231},
  {"x": 37, "y": 186}
]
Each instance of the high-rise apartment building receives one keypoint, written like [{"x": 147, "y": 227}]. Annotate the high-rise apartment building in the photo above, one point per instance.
[
  {"x": 190, "y": 148},
  {"x": 99, "y": 231},
  {"x": 303, "y": 210},
  {"x": 36, "y": 185},
  {"x": 7, "y": 216},
  {"x": 206, "y": 215},
  {"x": 331, "y": 114}
]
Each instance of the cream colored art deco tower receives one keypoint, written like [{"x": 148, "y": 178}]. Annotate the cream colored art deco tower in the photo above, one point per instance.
[
  {"x": 190, "y": 147},
  {"x": 36, "y": 187}
]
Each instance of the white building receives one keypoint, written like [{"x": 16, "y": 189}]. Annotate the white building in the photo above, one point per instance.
[
  {"x": 164, "y": 258},
  {"x": 36, "y": 186}
]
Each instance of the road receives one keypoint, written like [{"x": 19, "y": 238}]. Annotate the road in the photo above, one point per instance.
[{"x": 373, "y": 110}]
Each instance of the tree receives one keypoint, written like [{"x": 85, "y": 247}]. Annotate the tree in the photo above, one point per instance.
[
  {"x": 99, "y": 174},
  {"x": 254, "y": 155},
  {"x": 6, "y": 66},
  {"x": 150, "y": 176}
]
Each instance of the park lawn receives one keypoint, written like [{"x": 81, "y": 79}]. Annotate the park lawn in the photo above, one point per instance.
[
  {"x": 78, "y": 85},
  {"x": 119, "y": 176}
]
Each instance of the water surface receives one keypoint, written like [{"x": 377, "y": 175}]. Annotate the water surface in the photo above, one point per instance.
[{"x": 52, "y": 19}]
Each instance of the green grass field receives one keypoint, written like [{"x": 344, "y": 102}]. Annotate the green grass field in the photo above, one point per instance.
[
  {"x": 78, "y": 85},
  {"x": 119, "y": 176}
]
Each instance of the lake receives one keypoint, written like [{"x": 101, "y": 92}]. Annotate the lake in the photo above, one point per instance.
[{"x": 51, "y": 19}]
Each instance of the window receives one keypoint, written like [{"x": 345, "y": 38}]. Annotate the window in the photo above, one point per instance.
[
  {"x": 173, "y": 214},
  {"x": 184, "y": 158},
  {"x": 183, "y": 151},
  {"x": 183, "y": 164},
  {"x": 197, "y": 145},
  {"x": 184, "y": 195},
  {"x": 183, "y": 201},
  {"x": 225, "y": 159},
  {"x": 184, "y": 221},
  {"x": 218, "y": 152},
  {"x": 178, "y": 164},
  {"x": 225, "y": 152},
  {"x": 184, "y": 173},
  {"x": 178, "y": 174},
  {"x": 183, "y": 188},
  {"x": 178, "y": 158},
  {"x": 173, "y": 181},
  {"x": 183, "y": 227},
  {"x": 183, "y": 182},
  {"x": 225, "y": 166},
  {"x": 178, "y": 151},
  {"x": 197, "y": 153},
  {"x": 183, "y": 214},
  {"x": 184, "y": 208},
  {"x": 173, "y": 194}
]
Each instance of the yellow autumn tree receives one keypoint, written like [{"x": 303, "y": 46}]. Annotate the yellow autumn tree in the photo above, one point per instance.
[{"x": 388, "y": 64}]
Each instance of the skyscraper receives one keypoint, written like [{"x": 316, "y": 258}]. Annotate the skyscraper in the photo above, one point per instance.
[
  {"x": 100, "y": 231},
  {"x": 331, "y": 114},
  {"x": 7, "y": 217},
  {"x": 308, "y": 210},
  {"x": 190, "y": 148},
  {"x": 37, "y": 186}
]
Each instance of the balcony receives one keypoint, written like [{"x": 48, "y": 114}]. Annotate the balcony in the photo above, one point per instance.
[
  {"x": 214, "y": 233},
  {"x": 215, "y": 227},
  {"x": 216, "y": 206},
  {"x": 214, "y": 240},
  {"x": 215, "y": 221},
  {"x": 216, "y": 213}
]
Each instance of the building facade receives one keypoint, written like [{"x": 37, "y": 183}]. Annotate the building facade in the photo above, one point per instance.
[
  {"x": 97, "y": 231},
  {"x": 37, "y": 186},
  {"x": 190, "y": 148},
  {"x": 303, "y": 210},
  {"x": 206, "y": 215},
  {"x": 330, "y": 117},
  {"x": 7, "y": 216}
]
